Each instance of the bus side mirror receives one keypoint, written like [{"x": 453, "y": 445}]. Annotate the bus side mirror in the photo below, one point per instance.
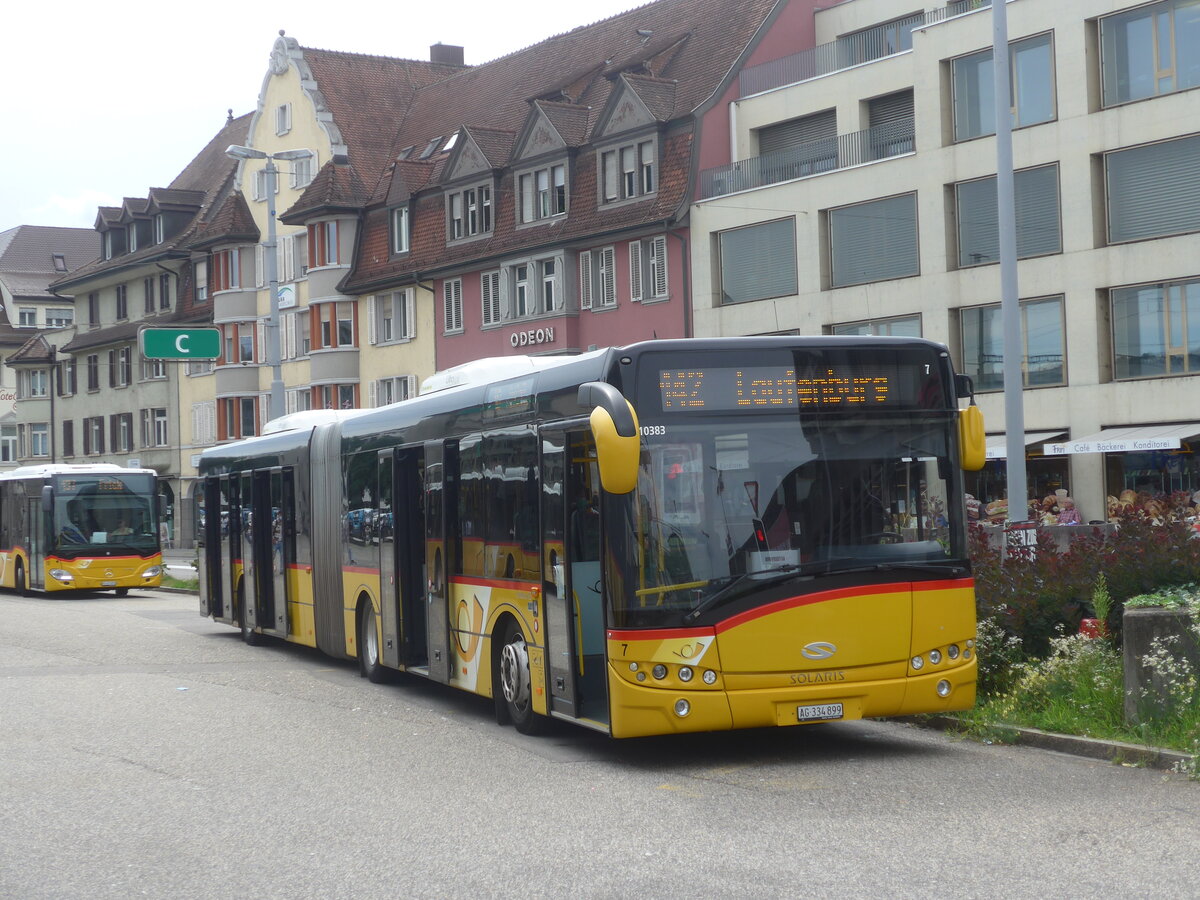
[
  {"x": 47, "y": 499},
  {"x": 972, "y": 444},
  {"x": 615, "y": 430}
]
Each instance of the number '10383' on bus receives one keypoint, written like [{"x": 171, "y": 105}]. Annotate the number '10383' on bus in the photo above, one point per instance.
[{"x": 671, "y": 536}]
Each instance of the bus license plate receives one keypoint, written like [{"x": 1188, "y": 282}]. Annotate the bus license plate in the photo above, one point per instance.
[
  {"x": 819, "y": 713},
  {"x": 108, "y": 584}
]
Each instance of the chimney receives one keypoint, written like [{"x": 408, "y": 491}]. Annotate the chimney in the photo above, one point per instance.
[{"x": 446, "y": 54}]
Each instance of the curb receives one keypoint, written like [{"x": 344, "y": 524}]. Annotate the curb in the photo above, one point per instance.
[{"x": 1091, "y": 748}]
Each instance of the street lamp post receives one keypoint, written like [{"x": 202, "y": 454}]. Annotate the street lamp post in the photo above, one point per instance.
[{"x": 275, "y": 408}]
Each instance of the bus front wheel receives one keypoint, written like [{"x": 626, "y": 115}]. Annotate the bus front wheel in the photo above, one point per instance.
[{"x": 512, "y": 676}]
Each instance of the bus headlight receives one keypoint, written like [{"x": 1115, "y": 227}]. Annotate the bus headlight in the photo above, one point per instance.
[
  {"x": 935, "y": 656},
  {"x": 943, "y": 688},
  {"x": 685, "y": 673},
  {"x": 709, "y": 676},
  {"x": 152, "y": 572},
  {"x": 659, "y": 672},
  {"x": 62, "y": 575},
  {"x": 682, "y": 708},
  {"x": 952, "y": 651},
  {"x": 917, "y": 662}
]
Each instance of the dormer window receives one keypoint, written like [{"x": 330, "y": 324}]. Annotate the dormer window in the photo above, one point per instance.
[
  {"x": 543, "y": 193},
  {"x": 160, "y": 229},
  {"x": 132, "y": 239},
  {"x": 470, "y": 212},
  {"x": 629, "y": 172},
  {"x": 400, "y": 229},
  {"x": 106, "y": 241}
]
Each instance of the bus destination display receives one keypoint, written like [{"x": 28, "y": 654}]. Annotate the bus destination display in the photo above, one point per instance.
[{"x": 724, "y": 389}]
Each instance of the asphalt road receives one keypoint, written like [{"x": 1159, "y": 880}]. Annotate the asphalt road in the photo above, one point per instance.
[{"x": 145, "y": 751}]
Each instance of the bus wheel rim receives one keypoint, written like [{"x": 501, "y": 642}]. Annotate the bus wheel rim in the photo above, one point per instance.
[{"x": 514, "y": 672}]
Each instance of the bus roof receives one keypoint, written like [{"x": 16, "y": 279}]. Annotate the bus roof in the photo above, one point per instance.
[
  {"x": 308, "y": 418},
  {"x": 44, "y": 470},
  {"x": 495, "y": 368}
]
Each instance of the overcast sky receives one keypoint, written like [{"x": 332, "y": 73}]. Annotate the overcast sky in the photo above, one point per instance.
[{"x": 103, "y": 101}]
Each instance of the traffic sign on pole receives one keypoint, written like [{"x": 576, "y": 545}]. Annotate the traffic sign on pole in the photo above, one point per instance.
[{"x": 180, "y": 343}]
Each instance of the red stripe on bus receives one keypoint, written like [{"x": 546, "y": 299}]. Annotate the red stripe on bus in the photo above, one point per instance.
[
  {"x": 361, "y": 570},
  {"x": 660, "y": 634},
  {"x": 862, "y": 590}
]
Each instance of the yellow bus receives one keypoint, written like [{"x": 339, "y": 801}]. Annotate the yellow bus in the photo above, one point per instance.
[
  {"x": 666, "y": 537},
  {"x": 79, "y": 528}
]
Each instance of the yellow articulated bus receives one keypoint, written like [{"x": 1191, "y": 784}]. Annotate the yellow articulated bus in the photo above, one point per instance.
[
  {"x": 79, "y": 528},
  {"x": 672, "y": 536}
]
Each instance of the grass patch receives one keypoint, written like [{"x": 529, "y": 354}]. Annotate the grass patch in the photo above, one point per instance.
[{"x": 186, "y": 584}]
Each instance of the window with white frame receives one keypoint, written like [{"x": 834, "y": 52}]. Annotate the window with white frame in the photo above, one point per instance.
[
  {"x": 1156, "y": 330},
  {"x": 1031, "y": 87},
  {"x": 237, "y": 417},
  {"x": 26, "y": 317},
  {"x": 148, "y": 295},
  {"x": 39, "y": 439},
  {"x": 1039, "y": 224},
  {"x": 534, "y": 287},
  {"x": 1043, "y": 360},
  {"x": 1153, "y": 190},
  {"x": 122, "y": 302},
  {"x": 154, "y": 427},
  {"x": 200, "y": 270},
  {"x": 198, "y": 366},
  {"x": 153, "y": 369},
  {"x": 33, "y": 383},
  {"x": 400, "y": 231},
  {"x": 291, "y": 257},
  {"x": 452, "y": 319},
  {"x": 629, "y": 171},
  {"x": 303, "y": 170},
  {"x": 393, "y": 390},
  {"x": 297, "y": 400},
  {"x": 335, "y": 324},
  {"x": 160, "y": 228},
  {"x": 1150, "y": 50},
  {"x": 542, "y": 193},
  {"x": 93, "y": 435},
  {"x": 873, "y": 241},
  {"x": 489, "y": 292},
  {"x": 226, "y": 270},
  {"x": 283, "y": 118},
  {"x": 757, "y": 262},
  {"x": 67, "y": 378},
  {"x": 121, "y": 428},
  {"x": 469, "y": 211},
  {"x": 260, "y": 184},
  {"x": 60, "y": 317},
  {"x": 898, "y": 326},
  {"x": 648, "y": 269},
  {"x": 598, "y": 278},
  {"x": 323, "y": 244},
  {"x": 391, "y": 317},
  {"x": 8, "y": 443},
  {"x": 164, "y": 291}
]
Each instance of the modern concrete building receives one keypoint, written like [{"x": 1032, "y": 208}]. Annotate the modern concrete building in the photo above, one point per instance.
[{"x": 856, "y": 194}]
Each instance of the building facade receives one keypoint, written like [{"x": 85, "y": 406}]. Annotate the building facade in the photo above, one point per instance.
[{"x": 859, "y": 197}]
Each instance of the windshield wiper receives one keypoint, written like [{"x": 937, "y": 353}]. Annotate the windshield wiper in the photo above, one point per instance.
[{"x": 761, "y": 579}]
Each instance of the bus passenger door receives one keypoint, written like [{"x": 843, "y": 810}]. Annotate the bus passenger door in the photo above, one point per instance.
[
  {"x": 385, "y": 546},
  {"x": 441, "y": 500},
  {"x": 268, "y": 551},
  {"x": 411, "y": 564},
  {"x": 231, "y": 540},
  {"x": 36, "y": 576},
  {"x": 583, "y": 575},
  {"x": 560, "y": 617},
  {"x": 245, "y": 546},
  {"x": 212, "y": 588}
]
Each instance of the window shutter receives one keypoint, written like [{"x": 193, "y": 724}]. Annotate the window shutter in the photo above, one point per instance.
[
  {"x": 371, "y": 312},
  {"x": 758, "y": 261},
  {"x": 410, "y": 322},
  {"x": 372, "y": 393},
  {"x": 874, "y": 241},
  {"x": 658, "y": 266},
  {"x": 505, "y": 281},
  {"x": 1153, "y": 190},
  {"x": 410, "y": 386},
  {"x": 608, "y": 276},
  {"x": 635, "y": 270},
  {"x": 260, "y": 340},
  {"x": 585, "y": 279},
  {"x": 112, "y": 368},
  {"x": 260, "y": 266}
]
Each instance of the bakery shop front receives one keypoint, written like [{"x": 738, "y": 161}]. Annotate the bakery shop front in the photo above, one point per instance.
[{"x": 1044, "y": 475}]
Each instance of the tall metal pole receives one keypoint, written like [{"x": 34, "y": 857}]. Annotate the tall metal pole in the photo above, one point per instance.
[
  {"x": 1010, "y": 310},
  {"x": 275, "y": 407}
]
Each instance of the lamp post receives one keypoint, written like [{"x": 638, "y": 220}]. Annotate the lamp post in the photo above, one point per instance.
[{"x": 236, "y": 151}]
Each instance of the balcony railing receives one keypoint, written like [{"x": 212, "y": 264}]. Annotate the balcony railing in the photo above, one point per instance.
[
  {"x": 852, "y": 50},
  {"x": 809, "y": 158}
]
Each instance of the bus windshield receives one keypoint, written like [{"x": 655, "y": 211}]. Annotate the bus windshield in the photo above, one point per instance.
[
  {"x": 727, "y": 506},
  {"x": 100, "y": 513}
]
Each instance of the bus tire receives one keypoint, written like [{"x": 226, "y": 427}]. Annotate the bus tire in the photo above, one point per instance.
[
  {"x": 370, "y": 666},
  {"x": 514, "y": 699},
  {"x": 249, "y": 635},
  {"x": 122, "y": 592},
  {"x": 20, "y": 585}
]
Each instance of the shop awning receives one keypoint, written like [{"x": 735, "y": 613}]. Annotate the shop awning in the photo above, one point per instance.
[
  {"x": 997, "y": 444},
  {"x": 1134, "y": 439}
]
